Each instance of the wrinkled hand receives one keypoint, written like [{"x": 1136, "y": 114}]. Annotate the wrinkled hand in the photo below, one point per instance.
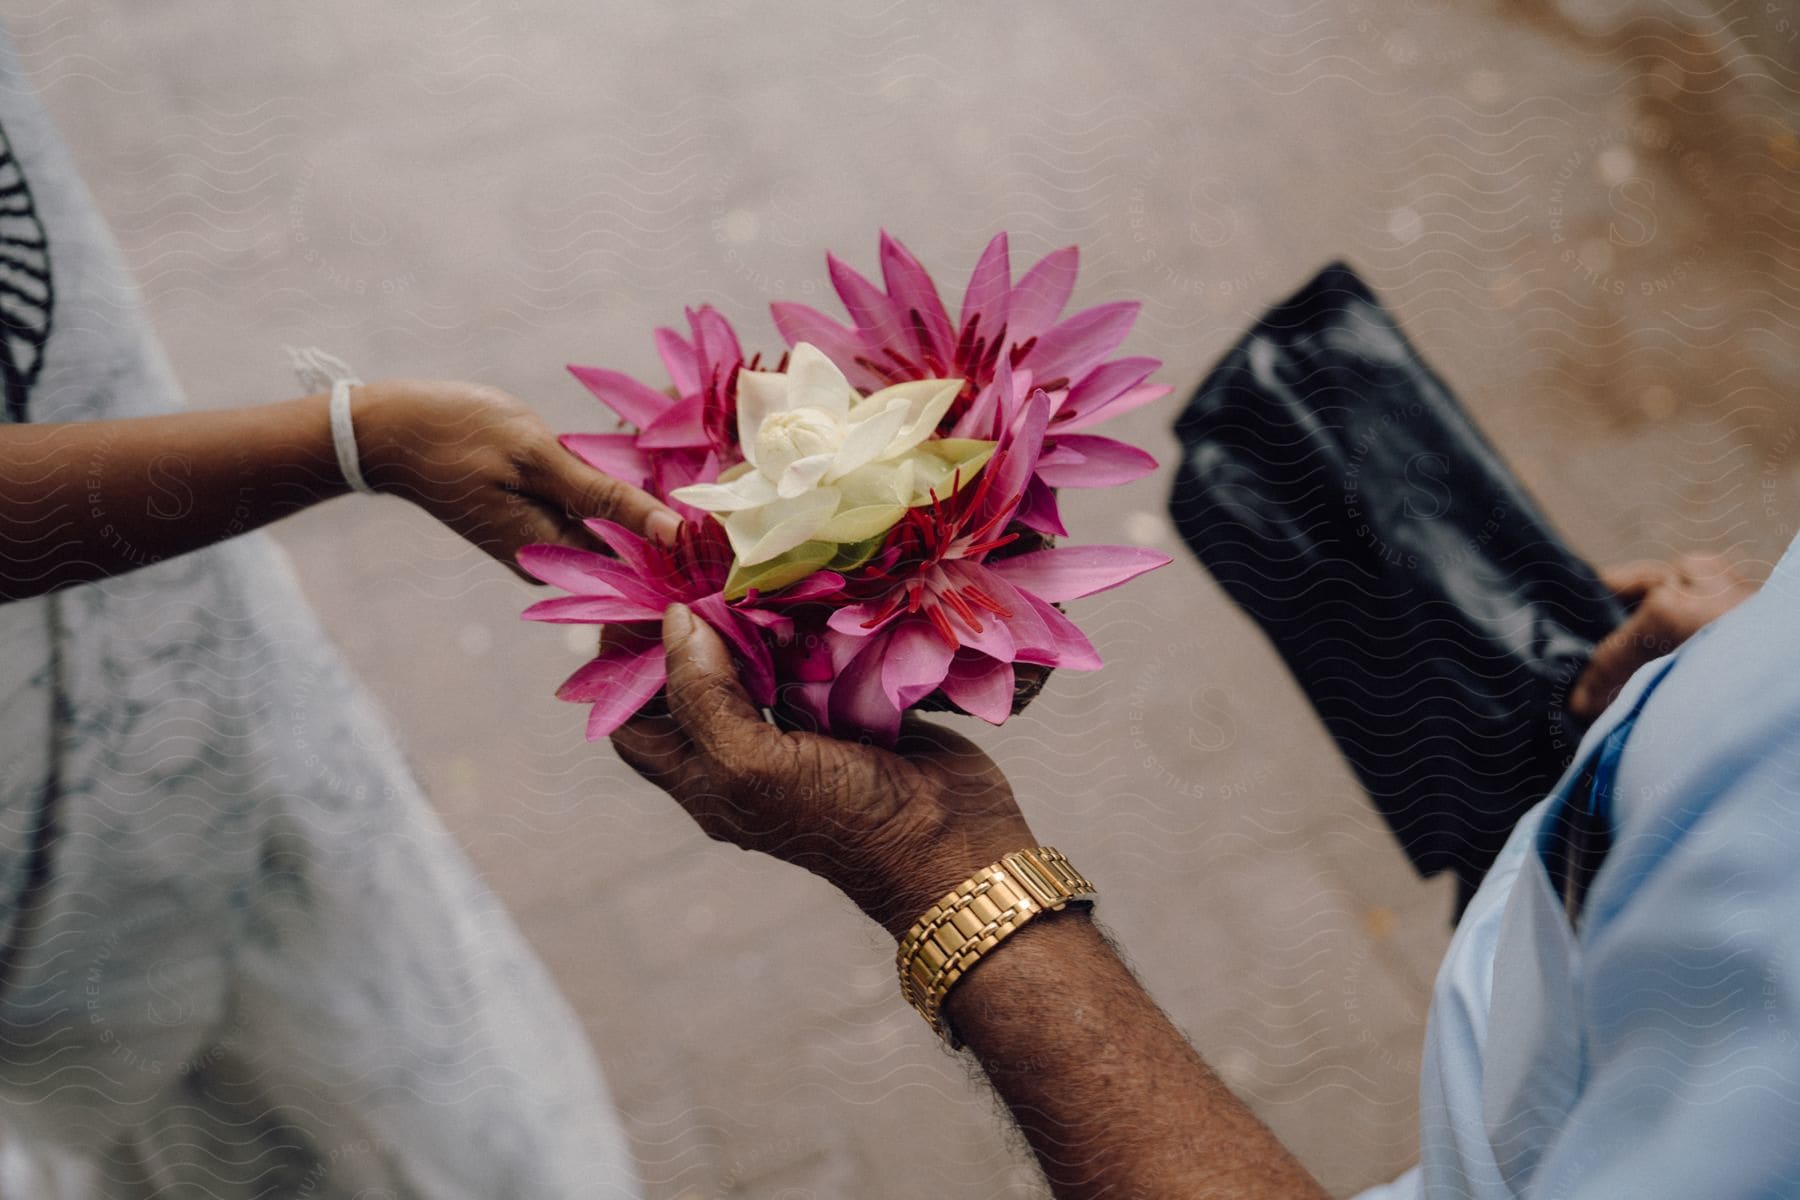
[
  {"x": 1670, "y": 602},
  {"x": 893, "y": 830},
  {"x": 487, "y": 466}
]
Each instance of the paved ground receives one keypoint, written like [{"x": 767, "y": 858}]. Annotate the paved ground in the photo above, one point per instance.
[{"x": 1586, "y": 215}]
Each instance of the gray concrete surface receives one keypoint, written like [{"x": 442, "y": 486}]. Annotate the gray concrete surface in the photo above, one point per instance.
[{"x": 1588, "y": 215}]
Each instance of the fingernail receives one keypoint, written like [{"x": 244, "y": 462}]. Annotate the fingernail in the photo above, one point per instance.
[
  {"x": 678, "y": 622},
  {"x": 663, "y": 527}
]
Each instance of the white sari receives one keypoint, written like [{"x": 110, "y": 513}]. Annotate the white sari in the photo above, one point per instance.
[{"x": 241, "y": 956}]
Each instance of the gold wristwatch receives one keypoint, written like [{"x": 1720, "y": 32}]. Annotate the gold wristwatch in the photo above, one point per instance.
[{"x": 976, "y": 916}]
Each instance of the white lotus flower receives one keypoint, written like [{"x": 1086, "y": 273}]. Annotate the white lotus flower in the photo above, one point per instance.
[{"x": 825, "y": 466}]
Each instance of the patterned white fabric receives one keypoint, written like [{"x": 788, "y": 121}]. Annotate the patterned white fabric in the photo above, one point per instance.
[{"x": 242, "y": 957}]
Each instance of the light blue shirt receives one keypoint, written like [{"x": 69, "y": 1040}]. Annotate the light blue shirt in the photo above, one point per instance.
[{"x": 1652, "y": 1049}]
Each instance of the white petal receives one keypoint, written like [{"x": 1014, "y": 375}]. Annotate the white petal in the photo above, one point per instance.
[
  {"x": 802, "y": 475},
  {"x": 934, "y": 474},
  {"x": 878, "y": 483},
  {"x": 759, "y": 393},
  {"x": 759, "y": 534},
  {"x": 814, "y": 381},
  {"x": 926, "y": 400},
  {"x": 872, "y": 431},
  {"x": 746, "y": 491},
  {"x": 860, "y": 524}
]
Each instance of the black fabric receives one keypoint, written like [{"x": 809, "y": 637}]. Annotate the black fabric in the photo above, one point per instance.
[
  {"x": 26, "y": 289},
  {"x": 1338, "y": 492}
]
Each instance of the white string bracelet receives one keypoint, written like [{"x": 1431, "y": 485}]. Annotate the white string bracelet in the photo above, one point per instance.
[{"x": 318, "y": 371}]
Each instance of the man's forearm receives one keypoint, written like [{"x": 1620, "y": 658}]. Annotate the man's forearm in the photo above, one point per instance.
[
  {"x": 84, "y": 501},
  {"x": 1111, "y": 1096}
]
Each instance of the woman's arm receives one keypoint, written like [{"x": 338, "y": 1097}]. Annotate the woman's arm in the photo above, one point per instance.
[{"x": 84, "y": 501}]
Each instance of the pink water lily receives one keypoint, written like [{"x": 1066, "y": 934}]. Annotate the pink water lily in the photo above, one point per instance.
[
  {"x": 628, "y": 594},
  {"x": 857, "y": 624},
  {"x": 945, "y": 613},
  {"x": 680, "y": 439},
  {"x": 903, "y": 331}
]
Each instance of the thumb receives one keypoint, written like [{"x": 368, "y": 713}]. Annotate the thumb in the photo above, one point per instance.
[
  {"x": 705, "y": 697},
  {"x": 581, "y": 492}
]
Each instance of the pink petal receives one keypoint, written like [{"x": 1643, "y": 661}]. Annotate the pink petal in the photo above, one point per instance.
[
  {"x": 914, "y": 662},
  {"x": 1101, "y": 386},
  {"x": 779, "y": 625},
  {"x": 867, "y": 305},
  {"x": 1038, "y": 510},
  {"x": 584, "y": 572},
  {"x": 634, "y": 553},
  {"x": 993, "y": 403},
  {"x": 807, "y": 660},
  {"x": 1137, "y": 397},
  {"x": 859, "y": 704},
  {"x": 985, "y": 300},
  {"x": 849, "y": 619},
  {"x": 755, "y": 667},
  {"x": 1015, "y": 461},
  {"x": 1070, "y": 572},
  {"x": 800, "y": 323},
  {"x": 819, "y": 583},
  {"x": 634, "y": 402},
  {"x": 677, "y": 354},
  {"x": 1045, "y": 636},
  {"x": 1099, "y": 462},
  {"x": 616, "y": 454},
  {"x": 995, "y": 637},
  {"x": 1067, "y": 643},
  {"x": 679, "y": 428},
  {"x": 1071, "y": 348},
  {"x": 981, "y": 687},
  {"x": 1041, "y": 295},
  {"x": 589, "y": 610},
  {"x": 618, "y": 682},
  {"x": 676, "y": 469},
  {"x": 913, "y": 292},
  {"x": 716, "y": 346}
]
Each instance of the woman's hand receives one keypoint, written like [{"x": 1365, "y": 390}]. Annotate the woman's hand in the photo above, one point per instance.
[
  {"x": 488, "y": 467},
  {"x": 893, "y": 831},
  {"x": 1670, "y": 602}
]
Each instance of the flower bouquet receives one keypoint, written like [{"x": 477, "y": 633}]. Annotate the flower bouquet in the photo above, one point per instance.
[{"x": 868, "y": 520}]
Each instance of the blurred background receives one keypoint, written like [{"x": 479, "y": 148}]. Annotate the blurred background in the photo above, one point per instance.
[{"x": 1586, "y": 214}]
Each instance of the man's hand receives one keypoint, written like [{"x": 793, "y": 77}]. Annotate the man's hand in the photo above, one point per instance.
[
  {"x": 1112, "y": 1098},
  {"x": 893, "y": 831},
  {"x": 1670, "y": 602},
  {"x": 487, "y": 466}
]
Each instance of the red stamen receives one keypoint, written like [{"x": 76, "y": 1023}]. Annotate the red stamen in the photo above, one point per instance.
[
  {"x": 942, "y": 623},
  {"x": 984, "y": 547},
  {"x": 986, "y": 601},
  {"x": 881, "y": 369},
  {"x": 920, "y": 335},
  {"x": 887, "y": 610},
  {"x": 949, "y": 596},
  {"x": 966, "y": 342}
]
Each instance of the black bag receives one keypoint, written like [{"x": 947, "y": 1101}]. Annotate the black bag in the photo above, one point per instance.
[{"x": 1338, "y": 492}]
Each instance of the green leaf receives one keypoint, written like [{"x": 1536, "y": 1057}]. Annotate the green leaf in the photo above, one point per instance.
[
  {"x": 780, "y": 571},
  {"x": 852, "y": 555}
]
